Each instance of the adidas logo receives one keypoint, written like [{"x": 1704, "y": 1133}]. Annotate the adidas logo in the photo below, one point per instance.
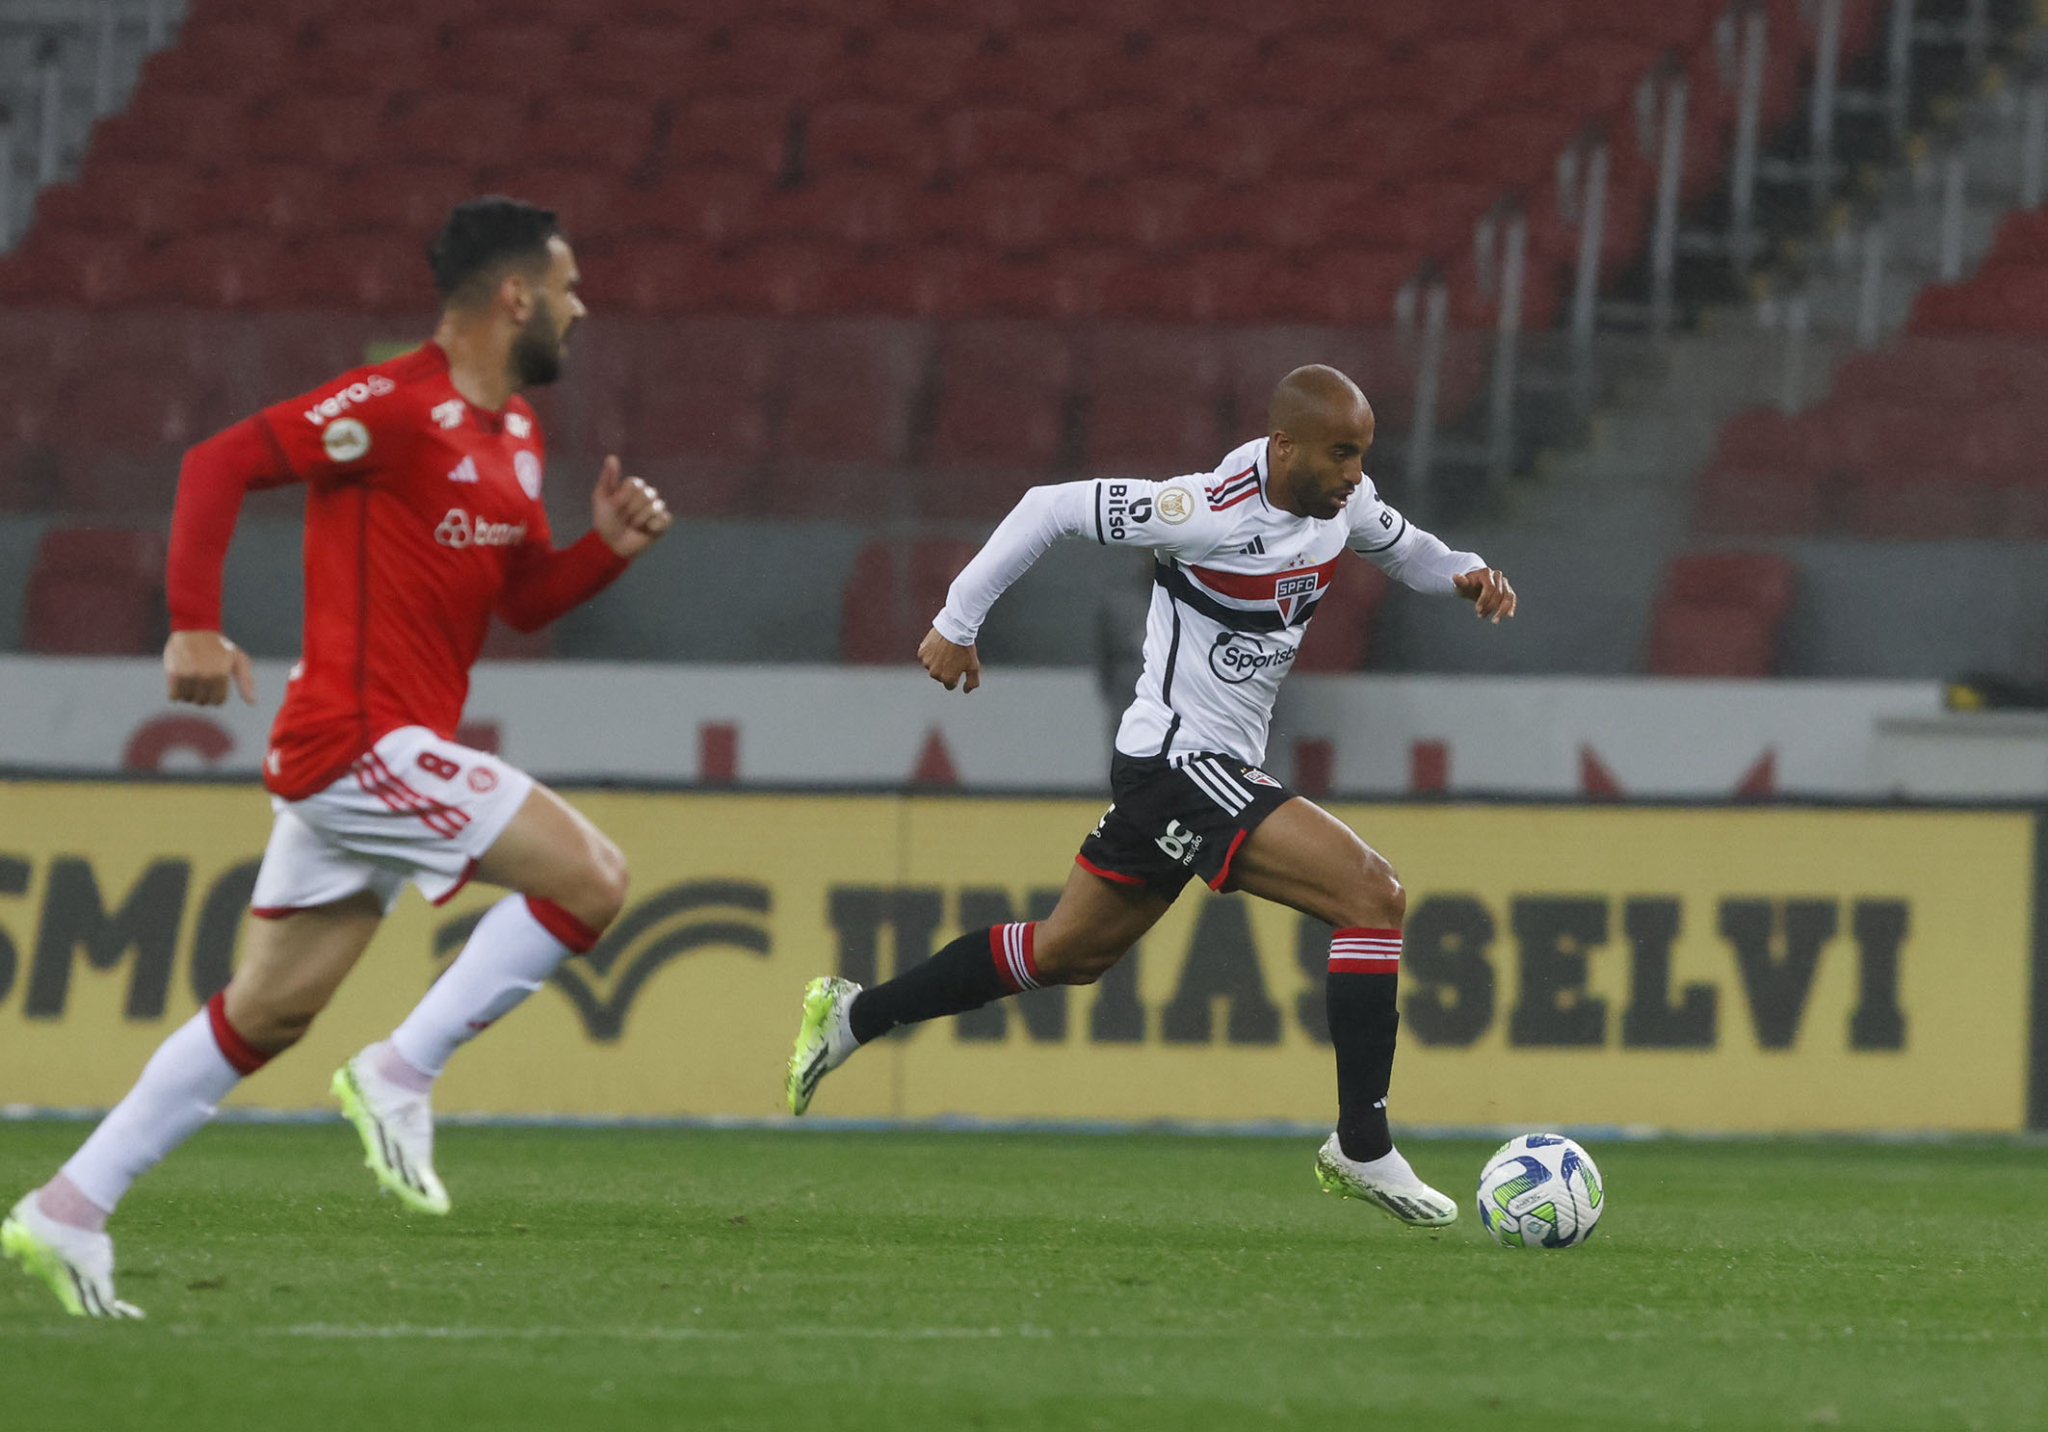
[
  {"x": 1254, "y": 548},
  {"x": 464, "y": 471}
]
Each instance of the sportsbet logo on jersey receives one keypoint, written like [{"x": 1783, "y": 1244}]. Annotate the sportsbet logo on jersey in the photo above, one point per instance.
[{"x": 1723, "y": 969}]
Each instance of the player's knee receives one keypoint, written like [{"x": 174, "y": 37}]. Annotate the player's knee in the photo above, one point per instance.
[
  {"x": 606, "y": 880},
  {"x": 1374, "y": 898},
  {"x": 1075, "y": 962},
  {"x": 272, "y": 1025}
]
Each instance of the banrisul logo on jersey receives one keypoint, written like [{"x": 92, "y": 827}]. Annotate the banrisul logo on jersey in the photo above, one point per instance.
[{"x": 1236, "y": 657}]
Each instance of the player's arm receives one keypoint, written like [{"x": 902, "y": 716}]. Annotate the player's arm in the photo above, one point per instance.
[
  {"x": 1163, "y": 516},
  {"x": 199, "y": 662},
  {"x": 1423, "y": 560},
  {"x": 626, "y": 517}
]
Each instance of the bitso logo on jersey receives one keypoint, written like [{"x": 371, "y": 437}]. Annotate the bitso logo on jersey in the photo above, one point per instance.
[{"x": 345, "y": 439}]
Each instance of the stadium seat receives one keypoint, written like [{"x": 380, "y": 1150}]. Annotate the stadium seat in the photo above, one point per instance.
[
  {"x": 601, "y": 131},
  {"x": 410, "y": 198},
  {"x": 222, "y": 268},
  {"x": 479, "y": 57},
  {"x": 1009, "y": 138},
  {"x": 749, "y": 135},
  {"x": 286, "y": 198},
  {"x": 1719, "y": 614},
  {"x": 1155, "y": 400},
  {"x": 471, "y": 130},
  {"x": 370, "y": 57},
  {"x": 204, "y": 128},
  {"x": 891, "y": 595},
  {"x": 769, "y": 59},
  {"x": 1000, "y": 405},
  {"x": 862, "y": 134},
  {"x": 901, "y": 65},
  {"x": 1046, "y": 70},
  {"x": 846, "y": 394},
  {"x": 370, "y": 272},
  {"x": 95, "y": 592},
  {"x": 1339, "y": 636},
  {"x": 210, "y": 57},
  {"x": 641, "y": 61}
]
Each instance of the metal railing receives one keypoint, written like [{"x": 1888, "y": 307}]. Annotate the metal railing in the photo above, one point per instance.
[{"x": 1636, "y": 332}]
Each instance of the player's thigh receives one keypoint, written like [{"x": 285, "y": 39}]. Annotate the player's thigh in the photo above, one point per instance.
[
  {"x": 552, "y": 851},
  {"x": 291, "y": 965},
  {"x": 1305, "y": 858},
  {"x": 1094, "y": 925}
]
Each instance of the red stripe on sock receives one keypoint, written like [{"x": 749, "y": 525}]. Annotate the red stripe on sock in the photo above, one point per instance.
[
  {"x": 244, "y": 1057},
  {"x": 561, "y": 924},
  {"x": 1359, "y": 950}
]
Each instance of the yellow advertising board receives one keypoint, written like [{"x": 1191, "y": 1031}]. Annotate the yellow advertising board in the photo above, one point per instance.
[{"x": 1708, "y": 969}]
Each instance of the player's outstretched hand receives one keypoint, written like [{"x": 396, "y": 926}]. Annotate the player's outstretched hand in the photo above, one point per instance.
[
  {"x": 198, "y": 665},
  {"x": 948, "y": 664},
  {"x": 627, "y": 513},
  {"x": 1488, "y": 591}
]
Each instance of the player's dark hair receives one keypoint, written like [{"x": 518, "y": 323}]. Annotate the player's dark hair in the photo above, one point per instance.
[{"x": 482, "y": 235}]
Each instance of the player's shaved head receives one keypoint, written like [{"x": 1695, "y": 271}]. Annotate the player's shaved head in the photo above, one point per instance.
[
  {"x": 1318, "y": 426},
  {"x": 1313, "y": 399}
]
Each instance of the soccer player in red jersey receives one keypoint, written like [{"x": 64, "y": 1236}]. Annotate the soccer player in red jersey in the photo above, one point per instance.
[{"x": 423, "y": 517}]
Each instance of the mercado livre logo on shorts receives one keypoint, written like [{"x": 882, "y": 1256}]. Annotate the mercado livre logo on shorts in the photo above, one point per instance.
[{"x": 602, "y": 984}]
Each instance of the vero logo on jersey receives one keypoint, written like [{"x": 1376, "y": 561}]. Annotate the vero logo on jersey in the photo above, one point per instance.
[
  {"x": 464, "y": 471},
  {"x": 342, "y": 399}
]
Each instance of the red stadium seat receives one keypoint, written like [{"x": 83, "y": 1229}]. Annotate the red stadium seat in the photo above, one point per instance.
[
  {"x": 915, "y": 67},
  {"x": 1177, "y": 72},
  {"x": 853, "y": 210},
  {"x": 222, "y": 268},
  {"x": 603, "y": 131},
  {"x": 642, "y": 61},
  {"x": 1001, "y": 404},
  {"x": 865, "y": 135},
  {"x": 891, "y": 595},
  {"x": 698, "y": 410},
  {"x": 1719, "y": 614},
  {"x": 1047, "y": 71},
  {"x": 847, "y": 391},
  {"x": 1010, "y": 138},
  {"x": 95, "y": 592},
  {"x": 1339, "y": 636},
  {"x": 370, "y": 272},
  {"x": 1123, "y": 139},
  {"x": 897, "y": 283},
  {"x": 748, "y": 135},
  {"x": 724, "y": 208},
  {"x": 334, "y": 130},
  {"x": 411, "y": 199},
  {"x": 1155, "y": 401},
  {"x": 472, "y": 130},
  {"x": 769, "y": 59},
  {"x": 361, "y": 55},
  {"x": 205, "y": 128},
  {"x": 212, "y": 58},
  {"x": 1764, "y": 500},
  {"x": 283, "y": 198},
  {"x": 481, "y": 57}
]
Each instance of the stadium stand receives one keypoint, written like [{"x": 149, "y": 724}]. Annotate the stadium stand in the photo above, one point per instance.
[
  {"x": 96, "y": 592},
  {"x": 892, "y": 592},
  {"x": 1719, "y": 614}
]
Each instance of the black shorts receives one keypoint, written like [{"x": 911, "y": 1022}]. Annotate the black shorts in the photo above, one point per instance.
[{"x": 1177, "y": 819}]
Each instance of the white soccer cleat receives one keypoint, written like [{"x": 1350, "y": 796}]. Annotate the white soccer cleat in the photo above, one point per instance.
[
  {"x": 1386, "y": 1182},
  {"x": 397, "y": 1129},
  {"x": 77, "y": 1263},
  {"x": 824, "y": 1040}
]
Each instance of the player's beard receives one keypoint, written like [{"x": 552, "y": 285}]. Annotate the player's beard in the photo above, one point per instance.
[{"x": 537, "y": 351}]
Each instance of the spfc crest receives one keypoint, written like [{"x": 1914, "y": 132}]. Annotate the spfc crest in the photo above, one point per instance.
[{"x": 1291, "y": 594}]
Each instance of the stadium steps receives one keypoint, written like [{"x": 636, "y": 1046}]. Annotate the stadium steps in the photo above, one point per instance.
[{"x": 59, "y": 44}]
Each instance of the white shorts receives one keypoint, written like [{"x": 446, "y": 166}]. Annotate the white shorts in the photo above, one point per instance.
[{"x": 413, "y": 808}]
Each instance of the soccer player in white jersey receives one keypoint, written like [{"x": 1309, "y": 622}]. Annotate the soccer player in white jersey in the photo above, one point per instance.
[{"x": 1243, "y": 556}]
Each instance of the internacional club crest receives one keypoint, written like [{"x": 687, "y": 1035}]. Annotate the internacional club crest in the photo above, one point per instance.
[{"x": 667, "y": 925}]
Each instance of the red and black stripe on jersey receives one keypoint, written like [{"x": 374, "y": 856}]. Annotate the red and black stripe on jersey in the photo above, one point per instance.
[{"x": 1233, "y": 490}]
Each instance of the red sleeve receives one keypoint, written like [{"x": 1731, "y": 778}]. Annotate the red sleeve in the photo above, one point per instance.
[
  {"x": 540, "y": 584},
  {"x": 211, "y": 482}
]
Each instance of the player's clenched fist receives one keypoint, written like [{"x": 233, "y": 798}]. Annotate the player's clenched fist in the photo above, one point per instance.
[
  {"x": 948, "y": 663},
  {"x": 627, "y": 513},
  {"x": 1488, "y": 591},
  {"x": 198, "y": 665}
]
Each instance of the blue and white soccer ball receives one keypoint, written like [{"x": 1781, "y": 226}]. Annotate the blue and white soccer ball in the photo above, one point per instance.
[{"x": 1540, "y": 1191}]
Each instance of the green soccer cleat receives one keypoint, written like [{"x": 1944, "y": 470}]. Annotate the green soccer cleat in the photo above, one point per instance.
[
  {"x": 1386, "y": 1183},
  {"x": 77, "y": 1263},
  {"x": 824, "y": 1041},
  {"x": 397, "y": 1129}
]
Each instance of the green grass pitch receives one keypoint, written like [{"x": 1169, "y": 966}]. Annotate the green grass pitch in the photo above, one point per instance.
[{"x": 651, "y": 1278}]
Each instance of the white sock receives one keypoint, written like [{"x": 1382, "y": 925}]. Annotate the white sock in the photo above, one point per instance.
[
  {"x": 510, "y": 954},
  {"x": 1390, "y": 1166},
  {"x": 177, "y": 1093}
]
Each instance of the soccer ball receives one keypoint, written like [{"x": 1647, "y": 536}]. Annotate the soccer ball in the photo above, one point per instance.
[{"x": 1540, "y": 1191}]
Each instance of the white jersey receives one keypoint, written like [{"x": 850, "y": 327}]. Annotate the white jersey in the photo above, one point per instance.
[{"x": 1236, "y": 582}]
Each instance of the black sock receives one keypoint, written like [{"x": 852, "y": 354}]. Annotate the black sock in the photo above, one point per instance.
[
  {"x": 980, "y": 966},
  {"x": 1363, "y": 1019}
]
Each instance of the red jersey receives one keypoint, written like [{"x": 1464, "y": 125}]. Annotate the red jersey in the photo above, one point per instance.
[{"x": 423, "y": 516}]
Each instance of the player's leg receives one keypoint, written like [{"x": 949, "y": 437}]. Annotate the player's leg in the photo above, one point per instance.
[
  {"x": 569, "y": 883},
  {"x": 1092, "y": 927},
  {"x": 1303, "y": 857},
  {"x": 289, "y": 968}
]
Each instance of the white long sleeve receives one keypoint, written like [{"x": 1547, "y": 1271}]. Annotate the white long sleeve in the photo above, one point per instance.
[
  {"x": 1421, "y": 560},
  {"x": 1040, "y": 518}
]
